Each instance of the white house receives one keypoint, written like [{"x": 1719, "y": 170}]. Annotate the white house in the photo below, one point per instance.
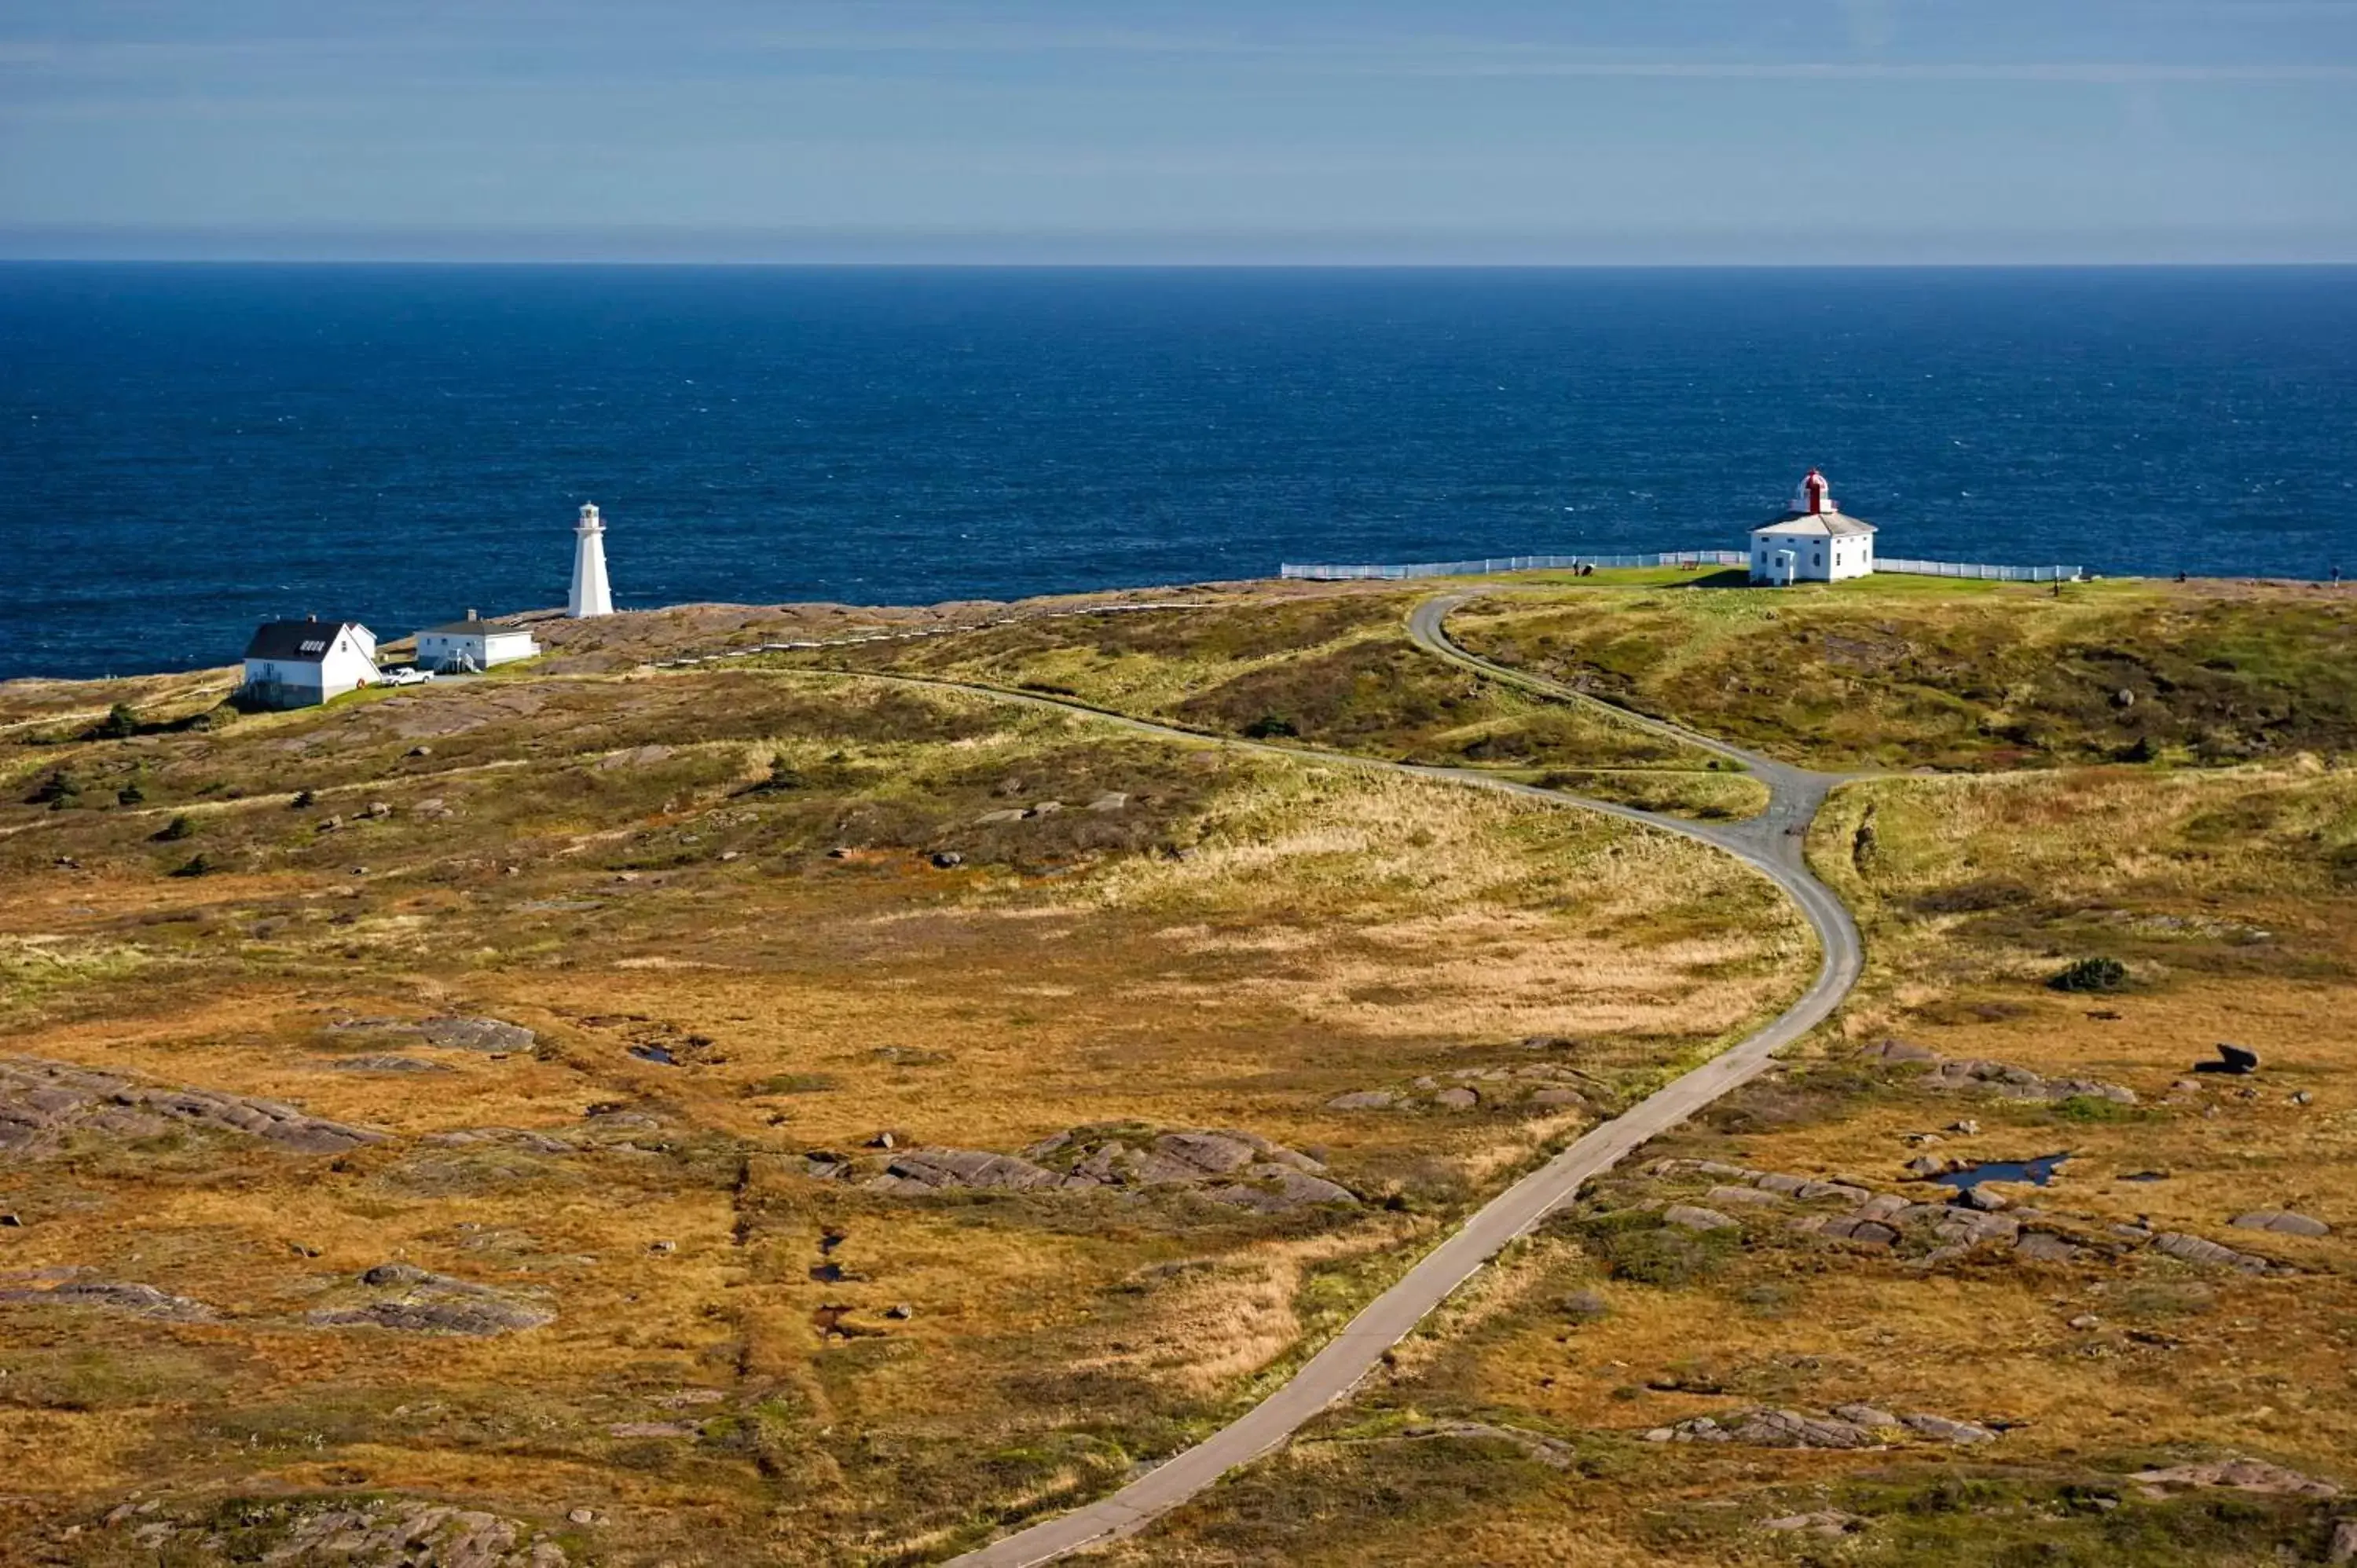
[
  {"x": 295, "y": 663},
  {"x": 473, "y": 644},
  {"x": 1812, "y": 541}
]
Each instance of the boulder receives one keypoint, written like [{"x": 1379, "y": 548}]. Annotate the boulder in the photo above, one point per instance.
[
  {"x": 1825, "y": 1522},
  {"x": 2235, "y": 1060},
  {"x": 1274, "y": 1188},
  {"x": 1943, "y": 1429},
  {"x": 2044, "y": 1247},
  {"x": 1852, "y": 1227},
  {"x": 1978, "y": 1072},
  {"x": 1898, "y": 1051},
  {"x": 947, "y": 1168},
  {"x": 404, "y": 1297},
  {"x": 1191, "y": 1157},
  {"x": 1869, "y": 1416},
  {"x": 2195, "y": 1250},
  {"x": 2281, "y": 1221},
  {"x": 1791, "y": 1429}
]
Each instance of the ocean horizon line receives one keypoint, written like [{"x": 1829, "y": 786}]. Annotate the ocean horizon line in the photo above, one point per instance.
[{"x": 822, "y": 265}]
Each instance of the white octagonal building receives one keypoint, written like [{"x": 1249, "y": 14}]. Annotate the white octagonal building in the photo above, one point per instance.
[{"x": 1812, "y": 541}]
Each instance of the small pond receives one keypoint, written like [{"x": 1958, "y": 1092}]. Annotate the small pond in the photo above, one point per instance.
[{"x": 2036, "y": 1172}]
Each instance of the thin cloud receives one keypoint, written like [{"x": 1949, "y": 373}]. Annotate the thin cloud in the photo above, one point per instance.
[{"x": 2097, "y": 71}]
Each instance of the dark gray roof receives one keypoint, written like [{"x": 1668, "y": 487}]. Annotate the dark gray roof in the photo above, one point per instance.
[
  {"x": 296, "y": 642},
  {"x": 474, "y": 629},
  {"x": 1828, "y": 523}
]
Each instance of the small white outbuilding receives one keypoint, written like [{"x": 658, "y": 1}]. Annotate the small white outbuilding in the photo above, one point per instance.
[
  {"x": 297, "y": 663},
  {"x": 1812, "y": 541},
  {"x": 462, "y": 647}
]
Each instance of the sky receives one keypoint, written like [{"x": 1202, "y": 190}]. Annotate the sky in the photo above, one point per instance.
[{"x": 1527, "y": 132}]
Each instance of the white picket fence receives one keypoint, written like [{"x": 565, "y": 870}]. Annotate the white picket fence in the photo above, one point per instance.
[
  {"x": 1492, "y": 565},
  {"x": 1973, "y": 569}
]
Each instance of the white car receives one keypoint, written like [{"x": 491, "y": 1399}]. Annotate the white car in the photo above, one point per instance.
[{"x": 406, "y": 675}]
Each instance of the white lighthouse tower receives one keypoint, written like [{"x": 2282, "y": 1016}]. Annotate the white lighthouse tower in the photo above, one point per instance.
[{"x": 591, "y": 596}]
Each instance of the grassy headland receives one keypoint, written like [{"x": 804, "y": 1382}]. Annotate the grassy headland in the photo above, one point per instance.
[
  {"x": 760, "y": 927},
  {"x": 1995, "y": 907},
  {"x": 1920, "y": 672},
  {"x": 745, "y": 926}
]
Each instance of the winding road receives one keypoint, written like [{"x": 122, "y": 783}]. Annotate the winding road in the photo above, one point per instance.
[{"x": 1772, "y": 842}]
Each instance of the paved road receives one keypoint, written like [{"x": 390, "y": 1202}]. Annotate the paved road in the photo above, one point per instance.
[{"x": 1771, "y": 842}]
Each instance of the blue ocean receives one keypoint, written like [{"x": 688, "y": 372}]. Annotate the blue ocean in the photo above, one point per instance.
[{"x": 185, "y": 450}]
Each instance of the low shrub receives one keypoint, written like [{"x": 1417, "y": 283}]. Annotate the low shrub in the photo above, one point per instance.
[
  {"x": 59, "y": 788},
  {"x": 2092, "y": 975},
  {"x": 119, "y": 723},
  {"x": 1641, "y": 1248}
]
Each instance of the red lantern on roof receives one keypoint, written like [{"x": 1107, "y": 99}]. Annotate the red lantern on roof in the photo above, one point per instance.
[{"x": 1816, "y": 497}]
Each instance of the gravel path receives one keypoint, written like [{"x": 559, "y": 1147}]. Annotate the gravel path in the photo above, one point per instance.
[{"x": 1772, "y": 842}]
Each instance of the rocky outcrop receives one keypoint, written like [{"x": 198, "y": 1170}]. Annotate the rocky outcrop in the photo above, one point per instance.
[
  {"x": 943, "y": 1168},
  {"x": 1529, "y": 1086},
  {"x": 405, "y": 1297},
  {"x": 2196, "y": 1249},
  {"x": 2282, "y": 1222},
  {"x": 1993, "y": 1077},
  {"x": 1824, "y": 1522},
  {"x": 2238, "y": 1475},
  {"x": 1846, "y": 1426},
  {"x": 385, "y": 1062},
  {"x": 76, "y": 1287},
  {"x": 492, "y": 1036},
  {"x": 42, "y": 1103},
  {"x": 1552, "y": 1452},
  {"x": 502, "y": 1137},
  {"x": 1225, "y": 1165},
  {"x": 1883, "y": 1221},
  {"x": 384, "y": 1532}
]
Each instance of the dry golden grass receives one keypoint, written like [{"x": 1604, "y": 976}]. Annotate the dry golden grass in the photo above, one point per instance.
[
  {"x": 612, "y": 863},
  {"x": 2228, "y": 896}
]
